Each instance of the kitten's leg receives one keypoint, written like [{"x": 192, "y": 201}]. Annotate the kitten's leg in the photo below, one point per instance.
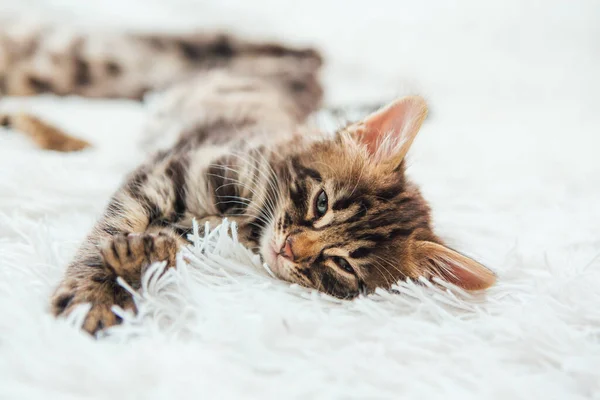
[
  {"x": 126, "y": 256},
  {"x": 54, "y": 59},
  {"x": 152, "y": 204},
  {"x": 121, "y": 255}
]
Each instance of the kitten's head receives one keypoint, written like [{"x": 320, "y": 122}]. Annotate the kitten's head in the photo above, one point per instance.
[{"x": 348, "y": 220}]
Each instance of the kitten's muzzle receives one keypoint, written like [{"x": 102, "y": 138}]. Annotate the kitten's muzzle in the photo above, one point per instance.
[
  {"x": 287, "y": 250},
  {"x": 300, "y": 247}
]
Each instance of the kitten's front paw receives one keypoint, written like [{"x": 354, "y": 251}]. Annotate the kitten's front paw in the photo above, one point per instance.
[
  {"x": 121, "y": 255},
  {"x": 101, "y": 295},
  {"x": 100, "y": 317},
  {"x": 127, "y": 255}
]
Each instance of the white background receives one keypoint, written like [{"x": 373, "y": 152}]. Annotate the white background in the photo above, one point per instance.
[{"x": 508, "y": 159}]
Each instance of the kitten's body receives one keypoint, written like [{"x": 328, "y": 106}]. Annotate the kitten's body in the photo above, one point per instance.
[{"x": 334, "y": 213}]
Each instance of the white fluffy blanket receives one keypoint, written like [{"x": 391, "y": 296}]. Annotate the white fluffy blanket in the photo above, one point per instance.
[{"x": 508, "y": 159}]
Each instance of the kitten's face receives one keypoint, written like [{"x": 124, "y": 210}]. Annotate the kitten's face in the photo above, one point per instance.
[
  {"x": 345, "y": 225},
  {"x": 347, "y": 220}
]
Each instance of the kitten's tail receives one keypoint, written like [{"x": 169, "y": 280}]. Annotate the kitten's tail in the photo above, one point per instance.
[{"x": 43, "y": 134}]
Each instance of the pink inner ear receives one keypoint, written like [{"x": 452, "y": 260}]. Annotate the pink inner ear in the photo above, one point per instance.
[
  {"x": 370, "y": 137},
  {"x": 399, "y": 121},
  {"x": 468, "y": 279},
  {"x": 451, "y": 266}
]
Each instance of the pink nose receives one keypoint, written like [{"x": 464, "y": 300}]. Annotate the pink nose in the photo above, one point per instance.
[{"x": 286, "y": 249}]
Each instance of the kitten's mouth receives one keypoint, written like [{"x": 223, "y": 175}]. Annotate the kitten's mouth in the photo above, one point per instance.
[
  {"x": 273, "y": 258},
  {"x": 277, "y": 262},
  {"x": 271, "y": 255}
]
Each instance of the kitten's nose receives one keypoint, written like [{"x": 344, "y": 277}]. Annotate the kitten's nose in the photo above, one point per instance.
[{"x": 286, "y": 249}]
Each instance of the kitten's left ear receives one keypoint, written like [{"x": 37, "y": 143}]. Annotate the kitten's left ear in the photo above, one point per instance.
[
  {"x": 388, "y": 133},
  {"x": 435, "y": 259}
]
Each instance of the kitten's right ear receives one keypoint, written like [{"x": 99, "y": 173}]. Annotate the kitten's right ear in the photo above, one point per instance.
[
  {"x": 389, "y": 132},
  {"x": 434, "y": 259}
]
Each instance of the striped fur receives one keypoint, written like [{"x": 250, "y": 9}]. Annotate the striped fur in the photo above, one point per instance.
[
  {"x": 52, "y": 59},
  {"x": 334, "y": 213}
]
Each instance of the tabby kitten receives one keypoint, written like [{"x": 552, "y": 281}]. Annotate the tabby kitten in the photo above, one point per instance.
[{"x": 330, "y": 212}]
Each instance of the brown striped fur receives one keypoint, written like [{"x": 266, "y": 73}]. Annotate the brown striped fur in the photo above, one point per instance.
[
  {"x": 51, "y": 59},
  {"x": 334, "y": 213},
  {"x": 377, "y": 223}
]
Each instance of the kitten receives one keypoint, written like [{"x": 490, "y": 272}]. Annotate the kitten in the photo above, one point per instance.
[{"x": 330, "y": 212}]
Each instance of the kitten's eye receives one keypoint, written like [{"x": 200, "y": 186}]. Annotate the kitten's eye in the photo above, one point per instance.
[
  {"x": 321, "y": 204},
  {"x": 343, "y": 264}
]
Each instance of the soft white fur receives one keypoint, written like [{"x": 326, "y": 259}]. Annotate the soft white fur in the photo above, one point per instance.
[{"x": 508, "y": 159}]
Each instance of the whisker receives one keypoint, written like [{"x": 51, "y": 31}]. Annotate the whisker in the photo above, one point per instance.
[
  {"x": 245, "y": 158},
  {"x": 393, "y": 266},
  {"x": 241, "y": 184}
]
